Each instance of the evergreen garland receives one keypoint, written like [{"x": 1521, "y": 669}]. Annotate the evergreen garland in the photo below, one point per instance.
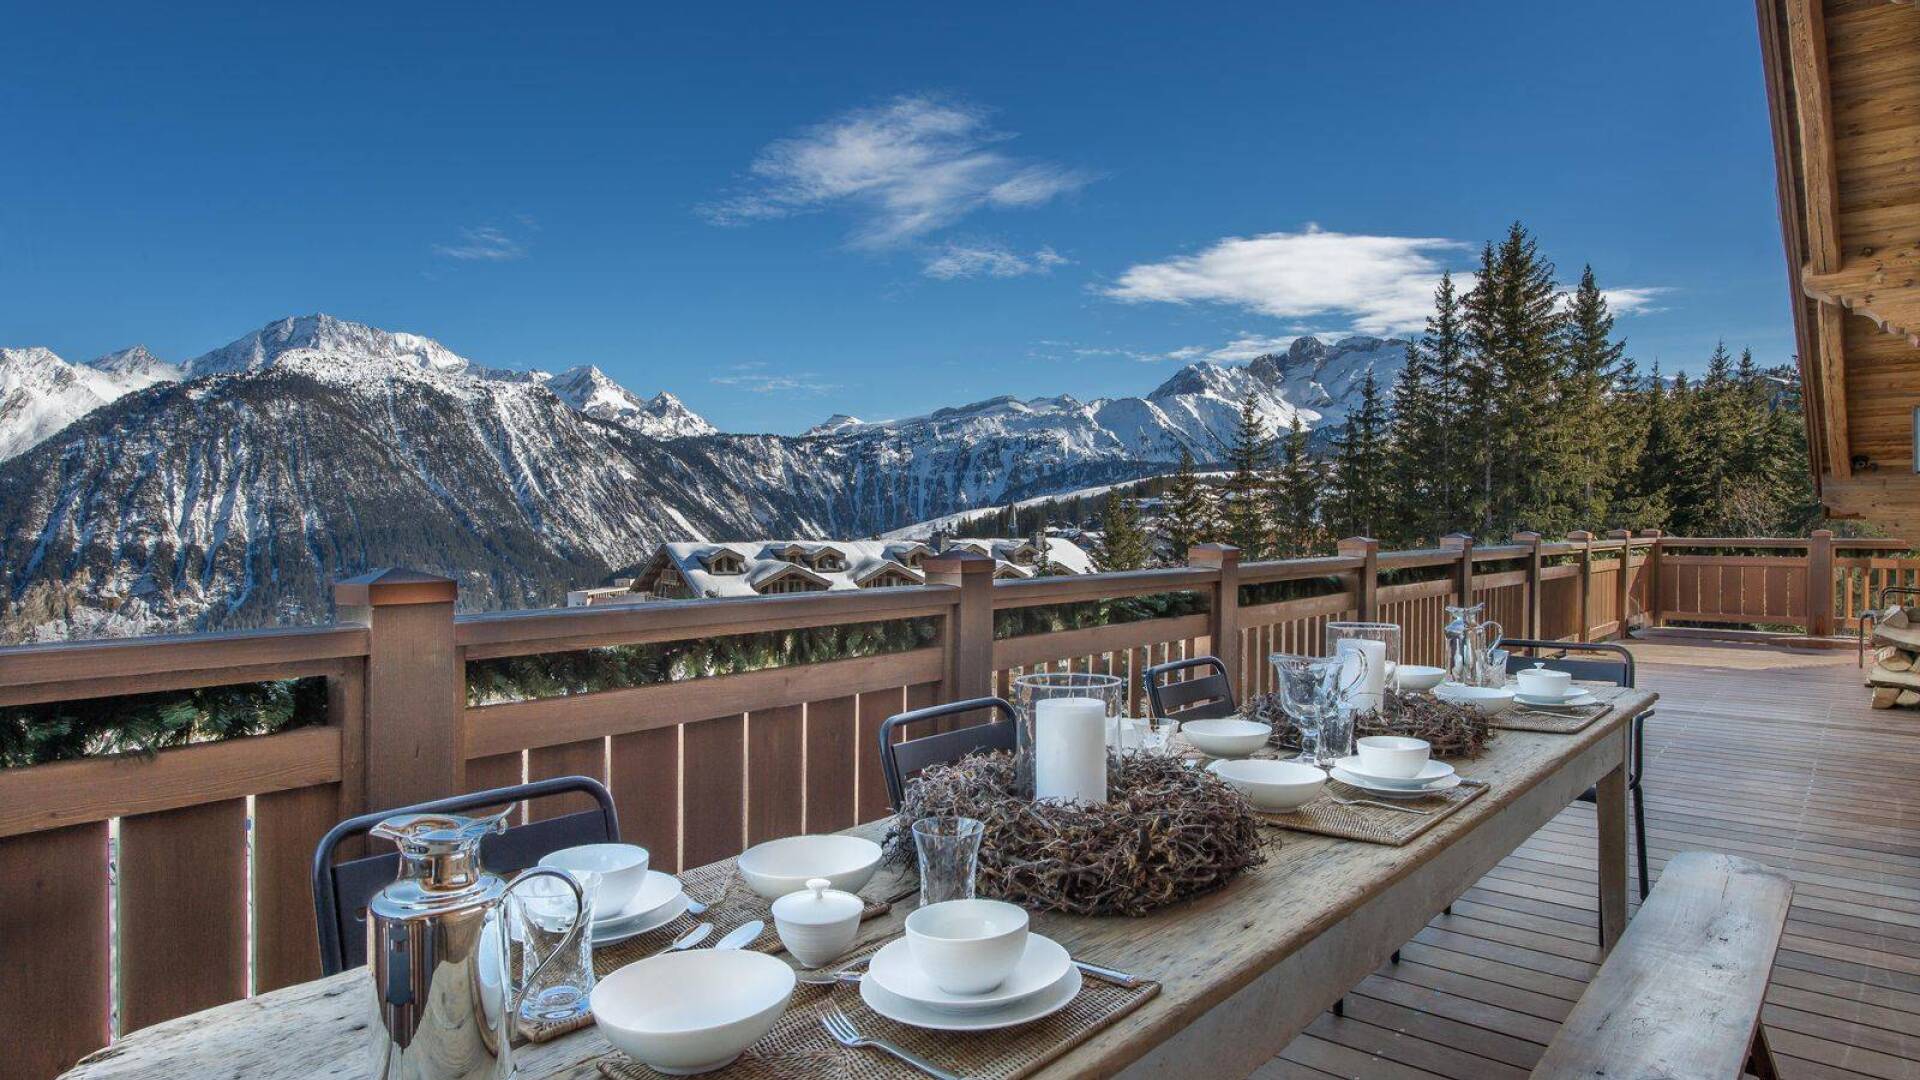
[{"x": 148, "y": 723}]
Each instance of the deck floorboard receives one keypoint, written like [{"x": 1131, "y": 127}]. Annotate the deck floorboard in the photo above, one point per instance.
[{"x": 1830, "y": 796}]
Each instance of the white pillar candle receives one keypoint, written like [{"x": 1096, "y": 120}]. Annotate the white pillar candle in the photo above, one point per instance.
[
  {"x": 1070, "y": 749},
  {"x": 1363, "y": 691}
]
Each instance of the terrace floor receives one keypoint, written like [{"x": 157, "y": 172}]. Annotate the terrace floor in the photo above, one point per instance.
[{"x": 1833, "y": 800}]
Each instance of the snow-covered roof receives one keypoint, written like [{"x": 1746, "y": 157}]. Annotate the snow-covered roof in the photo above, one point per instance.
[{"x": 765, "y": 561}]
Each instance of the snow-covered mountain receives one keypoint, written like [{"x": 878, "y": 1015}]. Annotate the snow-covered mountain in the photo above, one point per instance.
[
  {"x": 40, "y": 393},
  {"x": 664, "y": 416}
]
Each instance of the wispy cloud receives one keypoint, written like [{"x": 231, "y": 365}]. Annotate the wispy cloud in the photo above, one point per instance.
[
  {"x": 487, "y": 243},
  {"x": 904, "y": 169},
  {"x": 990, "y": 260},
  {"x": 755, "y": 378},
  {"x": 1644, "y": 300},
  {"x": 1379, "y": 284}
]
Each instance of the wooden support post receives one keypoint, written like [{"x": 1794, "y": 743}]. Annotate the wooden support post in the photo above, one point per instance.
[
  {"x": 1532, "y": 540},
  {"x": 1366, "y": 580},
  {"x": 1653, "y": 576},
  {"x": 1223, "y": 622},
  {"x": 1622, "y": 588},
  {"x": 1820, "y": 583},
  {"x": 968, "y": 635},
  {"x": 1463, "y": 569},
  {"x": 413, "y": 747},
  {"x": 1585, "y": 540}
]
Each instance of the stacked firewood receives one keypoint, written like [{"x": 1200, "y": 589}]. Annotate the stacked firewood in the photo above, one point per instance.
[{"x": 1895, "y": 675}]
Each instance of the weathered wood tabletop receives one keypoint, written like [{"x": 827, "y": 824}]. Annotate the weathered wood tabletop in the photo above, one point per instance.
[{"x": 1243, "y": 970}]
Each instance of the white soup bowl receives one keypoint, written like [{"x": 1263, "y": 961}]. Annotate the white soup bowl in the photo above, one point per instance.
[
  {"x": 692, "y": 1012},
  {"x": 1540, "y": 681},
  {"x": 622, "y": 869},
  {"x": 1275, "y": 786},
  {"x": 783, "y": 866},
  {"x": 1226, "y": 737},
  {"x": 1395, "y": 756},
  {"x": 967, "y": 946},
  {"x": 1414, "y": 677},
  {"x": 1485, "y": 700}
]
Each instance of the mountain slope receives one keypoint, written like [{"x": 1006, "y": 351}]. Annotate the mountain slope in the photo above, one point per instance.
[{"x": 40, "y": 393}]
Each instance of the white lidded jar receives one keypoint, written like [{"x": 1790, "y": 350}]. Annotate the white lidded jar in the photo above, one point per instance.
[{"x": 817, "y": 923}]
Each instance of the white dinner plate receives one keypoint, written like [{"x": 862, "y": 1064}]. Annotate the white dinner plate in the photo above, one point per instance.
[
  {"x": 1577, "y": 698},
  {"x": 655, "y": 893},
  {"x": 1042, "y": 965},
  {"x": 1385, "y": 792},
  {"x": 899, "y": 1009},
  {"x": 1431, "y": 773},
  {"x": 605, "y": 935}
]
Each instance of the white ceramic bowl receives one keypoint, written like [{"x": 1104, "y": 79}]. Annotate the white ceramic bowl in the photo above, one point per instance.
[
  {"x": 1276, "y": 786},
  {"x": 1393, "y": 756},
  {"x": 967, "y": 946},
  {"x": 622, "y": 869},
  {"x": 1486, "y": 700},
  {"x": 817, "y": 924},
  {"x": 692, "y": 1012},
  {"x": 1416, "y": 677},
  {"x": 1540, "y": 681},
  {"x": 1226, "y": 737},
  {"x": 778, "y": 867}
]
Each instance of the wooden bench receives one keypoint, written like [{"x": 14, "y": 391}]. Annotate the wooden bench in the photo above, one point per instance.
[{"x": 1680, "y": 995}]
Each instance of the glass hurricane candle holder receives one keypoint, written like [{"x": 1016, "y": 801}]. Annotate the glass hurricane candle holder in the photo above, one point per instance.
[
  {"x": 1370, "y": 655},
  {"x": 1067, "y": 722}
]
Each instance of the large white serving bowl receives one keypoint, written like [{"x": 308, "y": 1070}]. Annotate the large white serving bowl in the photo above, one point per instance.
[
  {"x": 783, "y": 866},
  {"x": 1274, "y": 786},
  {"x": 692, "y": 1012},
  {"x": 1418, "y": 677},
  {"x": 967, "y": 946},
  {"x": 1486, "y": 700},
  {"x": 1226, "y": 737},
  {"x": 622, "y": 869}
]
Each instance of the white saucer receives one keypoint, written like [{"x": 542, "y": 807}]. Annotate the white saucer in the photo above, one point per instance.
[
  {"x": 1431, "y": 773},
  {"x": 1046, "y": 1003},
  {"x": 656, "y": 892},
  {"x": 1373, "y": 788},
  {"x": 1573, "y": 700},
  {"x": 1040, "y": 967},
  {"x": 604, "y": 934}
]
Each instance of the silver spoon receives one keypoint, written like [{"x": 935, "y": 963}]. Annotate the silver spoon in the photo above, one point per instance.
[
  {"x": 742, "y": 936},
  {"x": 688, "y": 940}
]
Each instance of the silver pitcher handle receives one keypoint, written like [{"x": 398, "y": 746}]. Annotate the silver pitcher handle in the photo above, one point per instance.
[
  {"x": 571, "y": 939},
  {"x": 1493, "y": 640}
]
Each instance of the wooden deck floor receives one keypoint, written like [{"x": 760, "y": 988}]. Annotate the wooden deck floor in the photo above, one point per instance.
[{"x": 1833, "y": 800}]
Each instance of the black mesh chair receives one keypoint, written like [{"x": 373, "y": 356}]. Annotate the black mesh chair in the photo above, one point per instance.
[
  {"x": 1204, "y": 698},
  {"x": 901, "y": 761},
  {"x": 1618, "y": 669},
  {"x": 341, "y": 891}
]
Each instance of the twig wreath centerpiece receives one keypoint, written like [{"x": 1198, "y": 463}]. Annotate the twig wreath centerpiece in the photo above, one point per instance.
[
  {"x": 1167, "y": 832},
  {"x": 1453, "y": 731}
]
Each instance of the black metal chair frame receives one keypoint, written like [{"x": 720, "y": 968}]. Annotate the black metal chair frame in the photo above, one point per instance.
[
  {"x": 341, "y": 891},
  {"x": 1621, "y": 672},
  {"x": 942, "y": 747},
  {"x": 1175, "y": 699}
]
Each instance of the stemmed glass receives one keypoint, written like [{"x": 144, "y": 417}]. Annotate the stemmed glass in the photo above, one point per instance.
[{"x": 1310, "y": 689}]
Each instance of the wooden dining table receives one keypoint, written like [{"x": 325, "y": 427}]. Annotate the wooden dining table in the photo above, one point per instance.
[{"x": 1242, "y": 970}]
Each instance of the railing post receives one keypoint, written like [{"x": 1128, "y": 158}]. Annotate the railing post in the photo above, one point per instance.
[
  {"x": 1223, "y": 613},
  {"x": 969, "y": 630},
  {"x": 1463, "y": 569},
  {"x": 1622, "y": 589},
  {"x": 1585, "y": 540},
  {"x": 1532, "y": 540},
  {"x": 1653, "y": 576},
  {"x": 1366, "y": 580},
  {"x": 1820, "y": 583},
  {"x": 413, "y": 746}
]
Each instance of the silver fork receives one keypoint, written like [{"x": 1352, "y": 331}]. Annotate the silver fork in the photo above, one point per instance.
[
  {"x": 1381, "y": 805},
  {"x": 846, "y": 1034}
]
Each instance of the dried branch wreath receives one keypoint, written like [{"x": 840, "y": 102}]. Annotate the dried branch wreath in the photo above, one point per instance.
[
  {"x": 1168, "y": 833},
  {"x": 1455, "y": 732}
]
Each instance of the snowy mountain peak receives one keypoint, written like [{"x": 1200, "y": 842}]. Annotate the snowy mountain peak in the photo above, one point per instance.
[
  {"x": 136, "y": 365},
  {"x": 40, "y": 393},
  {"x": 833, "y": 425},
  {"x": 591, "y": 391},
  {"x": 321, "y": 335}
]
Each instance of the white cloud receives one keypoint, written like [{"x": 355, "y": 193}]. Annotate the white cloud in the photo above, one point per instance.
[
  {"x": 1380, "y": 284},
  {"x": 754, "y": 378},
  {"x": 486, "y": 243},
  {"x": 991, "y": 260},
  {"x": 1635, "y": 301},
  {"x": 905, "y": 169}
]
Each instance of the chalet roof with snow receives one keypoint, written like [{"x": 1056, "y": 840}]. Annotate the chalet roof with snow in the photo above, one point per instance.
[{"x": 764, "y": 567}]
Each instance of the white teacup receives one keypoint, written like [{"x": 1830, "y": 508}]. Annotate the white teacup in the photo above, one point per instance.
[
  {"x": 967, "y": 946},
  {"x": 622, "y": 869},
  {"x": 1540, "y": 681},
  {"x": 1393, "y": 756}
]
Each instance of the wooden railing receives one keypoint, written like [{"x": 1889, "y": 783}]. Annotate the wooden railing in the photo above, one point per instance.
[{"x": 200, "y": 855}]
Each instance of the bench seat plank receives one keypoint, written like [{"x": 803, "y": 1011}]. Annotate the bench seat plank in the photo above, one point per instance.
[{"x": 1680, "y": 995}]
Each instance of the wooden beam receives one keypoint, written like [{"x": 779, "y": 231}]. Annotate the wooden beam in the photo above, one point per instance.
[
  {"x": 1807, "y": 52},
  {"x": 1882, "y": 284},
  {"x": 1829, "y": 335}
]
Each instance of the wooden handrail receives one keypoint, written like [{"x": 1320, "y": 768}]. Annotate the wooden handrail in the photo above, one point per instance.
[
  {"x": 1035, "y": 592},
  {"x": 76, "y": 661}
]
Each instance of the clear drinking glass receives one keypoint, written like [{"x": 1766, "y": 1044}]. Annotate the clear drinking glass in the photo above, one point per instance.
[
  {"x": 1156, "y": 739},
  {"x": 949, "y": 851},
  {"x": 541, "y": 911},
  {"x": 1306, "y": 685},
  {"x": 1110, "y": 691},
  {"x": 1378, "y": 644}
]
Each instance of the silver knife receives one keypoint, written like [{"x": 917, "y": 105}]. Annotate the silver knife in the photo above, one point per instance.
[
  {"x": 1107, "y": 974},
  {"x": 742, "y": 936}
]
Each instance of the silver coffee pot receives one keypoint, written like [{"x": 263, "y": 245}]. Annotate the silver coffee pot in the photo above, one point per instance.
[
  {"x": 1471, "y": 645},
  {"x": 437, "y": 953}
]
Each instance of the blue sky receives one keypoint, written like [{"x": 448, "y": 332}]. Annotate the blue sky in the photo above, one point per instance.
[{"x": 783, "y": 211}]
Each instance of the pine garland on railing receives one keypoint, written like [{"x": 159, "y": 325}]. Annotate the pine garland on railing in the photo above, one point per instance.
[{"x": 147, "y": 723}]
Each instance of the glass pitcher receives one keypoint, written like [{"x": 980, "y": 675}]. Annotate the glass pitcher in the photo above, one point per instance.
[{"x": 1469, "y": 641}]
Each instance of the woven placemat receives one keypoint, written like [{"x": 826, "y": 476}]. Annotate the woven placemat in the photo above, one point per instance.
[
  {"x": 1560, "y": 721},
  {"x": 1375, "y": 824},
  {"x": 799, "y": 1047},
  {"x": 730, "y": 902}
]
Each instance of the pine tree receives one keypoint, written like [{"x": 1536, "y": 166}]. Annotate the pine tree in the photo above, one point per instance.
[
  {"x": 1293, "y": 497},
  {"x": 1414, "y": 494},
  {"x": 1248, "y": 458},
  {"x": 1360, "y": 479},
  {"x": 1586, "y": 445},
  {"x": 1190, "y": 516},
  {"x": 1123, "y": 542}
]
